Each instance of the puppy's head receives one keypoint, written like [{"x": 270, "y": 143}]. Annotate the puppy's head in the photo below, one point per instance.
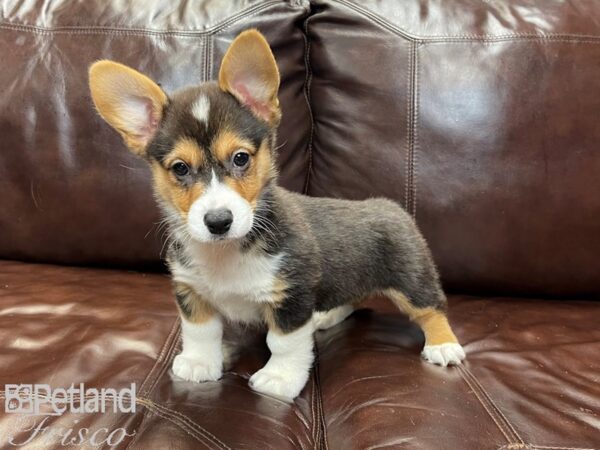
[{"x": 210, "y": 146}]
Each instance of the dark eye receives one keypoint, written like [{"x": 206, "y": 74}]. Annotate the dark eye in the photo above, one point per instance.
[
  {"x": 180, "y": 169},
  {"x": 240, "y": 159}
]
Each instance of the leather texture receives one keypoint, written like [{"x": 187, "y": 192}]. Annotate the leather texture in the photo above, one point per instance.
[
  {"x": 530, "y": 380},
  {"x": 479, "y": 117}
]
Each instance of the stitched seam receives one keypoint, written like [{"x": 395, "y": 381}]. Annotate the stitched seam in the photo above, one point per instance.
[
  {"x": 204, "y": 59},
  {"x": 489, "y": 407},
  {"x": 247, "y": 16},
  {"x": 219, "y": 26},
  {"x": 515, "y": 447},
  {"x": 313, "y": 414},
  {"x": 494, "y": 407},
  {"x": 211, "y": 42},
  {"x": 179, "y": 419},
  {"x": 411, "y": 111},
  {"x": 546, "y": 447},
  {"x": 168, "y": 358},
  {"x": 166, "y": 346},
  {"x": 485, "y": 406},
  {"x": 540, "y": 39},
  {"x": 415, "y": 130},
  {"x": 322, "y": 425},
  {"x": 381, "y": 21},
  {"x": 206, "y": 56},
  {"x": 196, "y": 433},
  {"x": 190, "y": 422},
  {"x": 184, "y": 420},
  {"x": 307, "y": 97},
  {"x": 378, "y": 20},
  {"x": 476, "y": 381},
  {"x": 409, "y": 134}
]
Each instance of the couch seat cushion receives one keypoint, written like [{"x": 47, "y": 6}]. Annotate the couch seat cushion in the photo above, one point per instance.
[
  {"x": 107, "y": 328},
  {"x": 531, "y": 379}
]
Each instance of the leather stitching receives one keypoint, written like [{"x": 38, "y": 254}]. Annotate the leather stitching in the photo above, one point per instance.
[
  {"x": 541, "y": 39},
  {"x": 180, "y": 426},
  {"x": 383, "y": 22},
  {"x": 184, "y": 423},
  {"x": 485, "y": 405},
  {"x": 516, "y": 447},
  {"x": 501, "y": 422},
  {"x": 312, "y": 411},
  {"x": 219, "y": 26},
  {"x": 211, "y": 60},
  {"x": 415, "y": 130},
  {"x": 546, "y": 447},
  {"x": 412, "y": 116},
  {"x": 409, "y": 134},
  {"x": 474, "y": 378},
  {"x": 376, "y": 19},
  {"x": 198, "y": 432},
  {"x": 168, "y": 344},
  {"x": 322, "y": 425},
  {"x": 168, "y": 358},
  {"x": 307, "y": 96},
  {"x": 205, "y": 59},
  {"x": 185, "y": 420}
]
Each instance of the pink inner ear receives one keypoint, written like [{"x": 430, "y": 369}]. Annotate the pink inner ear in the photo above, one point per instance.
[
  {"x": 262, "y": 109},
  {"x": 150, "y": 121},
  {"x": 153, "y": 117}
]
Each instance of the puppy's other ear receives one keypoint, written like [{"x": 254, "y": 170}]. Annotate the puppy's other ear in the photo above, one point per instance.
[
  {"x": 130, "y": 102},
  {"x": 249, "y": 72}
]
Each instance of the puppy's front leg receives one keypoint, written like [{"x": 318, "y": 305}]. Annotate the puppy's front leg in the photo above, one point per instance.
[
  {"x": 287, "y": 371},
  {"x": 201, "y": 331}
]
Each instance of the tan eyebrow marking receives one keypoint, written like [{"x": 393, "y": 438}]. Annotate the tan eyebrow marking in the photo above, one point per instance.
[
  {"x": 187, "y": 150},
  {"x": 227, "y": 142}
]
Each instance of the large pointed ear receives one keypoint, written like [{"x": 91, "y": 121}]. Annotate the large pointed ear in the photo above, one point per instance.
[
  {"x": 130, "y": 102},
  {"x": 249, "y": 72}
]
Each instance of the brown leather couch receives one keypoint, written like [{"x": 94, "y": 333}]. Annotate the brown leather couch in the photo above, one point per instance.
[{"x": 482, "y": 118}]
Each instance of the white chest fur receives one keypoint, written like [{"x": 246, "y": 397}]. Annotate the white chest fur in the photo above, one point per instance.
[{"x": 237, "y": 284}]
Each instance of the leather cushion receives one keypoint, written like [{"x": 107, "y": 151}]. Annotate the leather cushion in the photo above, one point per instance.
[
  {"x": 108, "y": 329},
  {"x": 530, "y": 379}
]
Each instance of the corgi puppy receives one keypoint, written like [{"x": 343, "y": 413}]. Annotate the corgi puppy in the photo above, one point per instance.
[{"x": 243, "y": 249}]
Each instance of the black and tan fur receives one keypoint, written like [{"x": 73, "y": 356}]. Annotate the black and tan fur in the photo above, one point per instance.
[{"x": 333, "y": 252}]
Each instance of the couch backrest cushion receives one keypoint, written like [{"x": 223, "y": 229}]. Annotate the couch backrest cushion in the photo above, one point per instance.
[
  {"x": 481, "y": 118},
  {"x": 70, "y": 191}
]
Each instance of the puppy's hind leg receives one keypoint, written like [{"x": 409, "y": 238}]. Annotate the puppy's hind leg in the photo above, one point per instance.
[
  {"x": 327, "y": 319},
  {"x": 441, "y": 345}
]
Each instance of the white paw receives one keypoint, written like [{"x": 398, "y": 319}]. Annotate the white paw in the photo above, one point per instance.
[
  {"x": 196, "y": 369},
  {"x": 280, "y": 384},
  {"x": 444, "y": 354}
]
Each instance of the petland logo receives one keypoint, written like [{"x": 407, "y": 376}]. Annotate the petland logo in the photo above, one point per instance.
[{"x": 40, "y": 400}]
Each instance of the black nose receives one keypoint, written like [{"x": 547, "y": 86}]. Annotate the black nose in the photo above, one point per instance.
[{"x": 218, "y": 221}]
